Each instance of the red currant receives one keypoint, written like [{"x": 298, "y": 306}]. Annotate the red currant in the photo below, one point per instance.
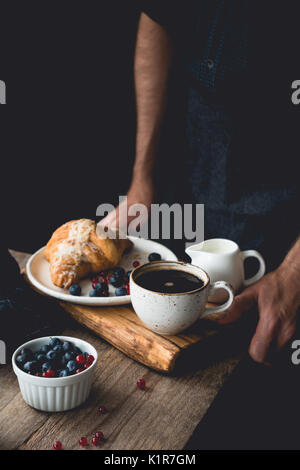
[
  {"x": 38, "y": 374},
  {"x": 95, "y": 279},
  {"x": 79, "y": 370},
  {"x": 80, "y": 359},
  {"x": 57, "y": 445},
  {"x": 102, "y": 410},
  {"x": 99, "y": 435},
  {"x": 135, "y": 264},
  {"x": 96, "y": 441},
  {"x": 50, "y": 373},
  {"x": 86, "y": 366},
  {"x": 94, "y": 284},
  {"x": 90, "y": 359},
  {"x": 127, "y": 289},
  {"x": 141, "y": 384},
  {"x": 83, "y": 441}
]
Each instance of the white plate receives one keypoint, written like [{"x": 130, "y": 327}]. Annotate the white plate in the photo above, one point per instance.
[{"x": 37, "y": 269}]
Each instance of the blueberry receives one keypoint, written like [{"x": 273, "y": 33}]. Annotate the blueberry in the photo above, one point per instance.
[
  {"x": 44, "y": 349},
  {"x": 75, "y": 289},
  {"x": 54, "y": 342},
  {"x": 64, "y": 373},
  {"x": 72, "y": 366},
  {"x": 20, "y": 359},
  {"x": 51, "y": 355},
  {"x": 154, "y": 257},
  {"x": 64, "y": 361},
  {"x": 69, "y": 356},
  {"x": 31, "y": 366},
  {"x": 119, "y": 272},
  {"x": 120, "y": 291},
  {"x": 67, "y": 346},
  {"x": 27, "y": 354},
  {"x": 40, "y": 357},
  {"x": 96, "y": 293},
  {"x": 128, "y": 273},
  {"x": 58, "y": 349},
  {"x": 101, "y": 286},
  {"x": 46, "y": 366},
  {"x": 77, "y": 350},
  {"x": 116, "y": 281}
]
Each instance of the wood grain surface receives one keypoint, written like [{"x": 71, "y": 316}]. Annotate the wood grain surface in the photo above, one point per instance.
[{"x": 161, "y": 417}]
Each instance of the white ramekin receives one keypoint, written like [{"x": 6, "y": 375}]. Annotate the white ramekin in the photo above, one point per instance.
[{"x": 58, "y": 393}]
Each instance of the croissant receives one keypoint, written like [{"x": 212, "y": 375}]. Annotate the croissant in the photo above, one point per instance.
[{"x": 75, "y": 250}]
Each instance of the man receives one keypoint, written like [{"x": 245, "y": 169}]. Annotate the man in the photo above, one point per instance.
[{"x": 239, "y": 146}]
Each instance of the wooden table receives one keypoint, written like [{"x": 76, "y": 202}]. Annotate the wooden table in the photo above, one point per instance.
[{"x": 162, "y": 417}]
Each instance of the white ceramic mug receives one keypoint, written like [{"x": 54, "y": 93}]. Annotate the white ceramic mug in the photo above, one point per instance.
[
  {"x": 222, "y": 259},
  {"x": 169, "y": 314}
]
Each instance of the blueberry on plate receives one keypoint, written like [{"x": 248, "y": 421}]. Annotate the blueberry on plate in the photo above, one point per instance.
[
  {"x": 75, "y": 289},
  {"x": 97, "y": 293},
  {"x": 119, "y": 272},
  {"x": 67, "y": 346},
  {"x": 116, "y": 281},
  {"x": 154, "y": 257},
  {"x": 64, "y": 373},
  {"x": 46, "y": 366},
  {"x": 54, "y": 342},
  {"x": 120, "y": 291},
  {"x": 72, "y": 366},
  {"x": 31, "y": 366},
  {"x": 101, "y": 286}
]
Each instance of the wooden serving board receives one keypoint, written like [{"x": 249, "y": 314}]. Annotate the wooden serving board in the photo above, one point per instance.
[{"x": 121, "y": 327}]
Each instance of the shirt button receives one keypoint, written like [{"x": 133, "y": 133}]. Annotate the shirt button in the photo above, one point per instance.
[{"x": 210, "y": 64}]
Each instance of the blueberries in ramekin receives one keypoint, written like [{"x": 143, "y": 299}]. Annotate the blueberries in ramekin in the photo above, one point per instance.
[{"x": 57, "y": 359}]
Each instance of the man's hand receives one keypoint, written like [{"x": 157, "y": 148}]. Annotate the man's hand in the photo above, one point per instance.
[
  {"x": 277, "y": 296},
  {"x": 141, "y": 192}
]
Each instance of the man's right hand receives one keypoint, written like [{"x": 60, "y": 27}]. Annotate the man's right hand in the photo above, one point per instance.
[{"x": 141, "y": 191}]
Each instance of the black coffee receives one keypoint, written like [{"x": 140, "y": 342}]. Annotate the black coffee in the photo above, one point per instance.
[{"x": 169, "y": 281}]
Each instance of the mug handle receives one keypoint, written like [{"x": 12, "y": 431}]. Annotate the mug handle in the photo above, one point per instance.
[
  {"x": 220, "y": 308},
  {"x": 262, "y": 266}
]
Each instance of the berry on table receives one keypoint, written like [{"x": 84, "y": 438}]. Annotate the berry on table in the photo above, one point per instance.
[
  {"x": 141, "y": 384},
  {"x": 154, "y": 257},
  {"x": 83, "y": 441},
  {"x": 57, "y": 445},
  {"x": 99, "y": 435},
  {"x": 75, "y": 289},
  {"x": 135, "y": 264},
  {"x": 102, "y": 410},
  {"x": 120, "y": 291},
  {"x": 96, "y": 441}
]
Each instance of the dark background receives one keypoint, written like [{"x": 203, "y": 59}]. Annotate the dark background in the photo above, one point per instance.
[{"x": 67, "y": 132}]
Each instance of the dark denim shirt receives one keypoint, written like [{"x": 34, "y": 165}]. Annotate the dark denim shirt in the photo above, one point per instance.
[{"x": 239, "y": 136}]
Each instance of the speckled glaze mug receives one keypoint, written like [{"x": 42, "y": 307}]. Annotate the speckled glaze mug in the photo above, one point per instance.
[{"x": 169, "y": 314}]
